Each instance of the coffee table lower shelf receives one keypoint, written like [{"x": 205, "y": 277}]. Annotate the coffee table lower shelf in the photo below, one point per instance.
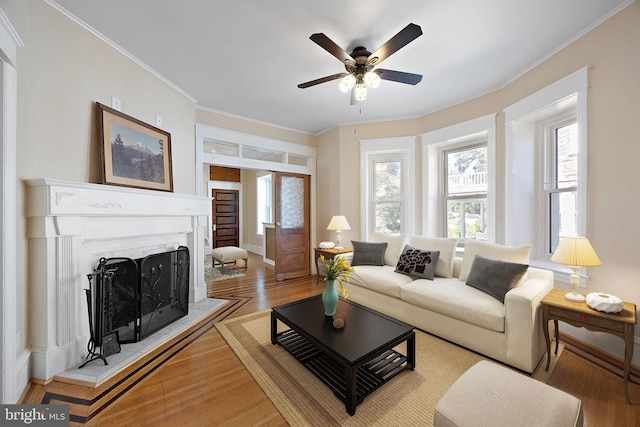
[{"x": 369, "y": 377}]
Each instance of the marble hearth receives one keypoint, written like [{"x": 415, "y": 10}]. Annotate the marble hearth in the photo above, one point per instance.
[{"x": 70, "y": 227}]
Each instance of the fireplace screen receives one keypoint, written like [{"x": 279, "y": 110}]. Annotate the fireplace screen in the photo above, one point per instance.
[{"x": 129, "y": 300}]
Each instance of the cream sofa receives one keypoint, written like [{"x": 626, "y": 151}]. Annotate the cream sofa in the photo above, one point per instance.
[{"x": 509, "y": 332}]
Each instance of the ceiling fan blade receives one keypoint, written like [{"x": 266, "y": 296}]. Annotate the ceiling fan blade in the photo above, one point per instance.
[
  {"x": 399, "y": 76},
  {"x": 327, "y": 44},
  {"x": 321, "y": 80},
  {"x": 395, "y": 43}
]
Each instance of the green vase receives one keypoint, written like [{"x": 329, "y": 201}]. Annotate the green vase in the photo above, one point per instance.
[{"x": 330, "y": 298}]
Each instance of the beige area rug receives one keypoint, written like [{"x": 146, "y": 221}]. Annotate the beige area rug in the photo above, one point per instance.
[
  {"x": 407, "y": 400},
  {"x": 213, "y": 274}
]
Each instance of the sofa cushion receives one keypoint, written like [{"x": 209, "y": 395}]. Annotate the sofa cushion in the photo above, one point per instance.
[
  {"x": 518, "y": 254},
  {"x": 365, "y": 253},
  {"x": 395, "y": 243},
  {"x": 453, "y": 298},
  {"x": 446, "y": 247},
  {"x": 379, "y": 279},
  {"x": 417, "y": 263},
  {"x": 495, "y": 277}
]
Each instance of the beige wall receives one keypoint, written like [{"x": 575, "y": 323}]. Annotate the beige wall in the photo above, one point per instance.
[
  {"x": 226, "y": 121},
  {"x": 330, "y": 191},
  {"x": 249, "y": 179},
  {"x": 63, "y": 71}
]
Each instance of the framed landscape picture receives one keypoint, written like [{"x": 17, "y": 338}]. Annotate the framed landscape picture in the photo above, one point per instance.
[{"x": 133, "y": 153}]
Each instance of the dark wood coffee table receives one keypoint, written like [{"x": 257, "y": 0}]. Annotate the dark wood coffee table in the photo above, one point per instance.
[{"x": 353, "y": 361}]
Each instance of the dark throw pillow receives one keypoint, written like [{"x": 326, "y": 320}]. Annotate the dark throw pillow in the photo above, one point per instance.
[
  {"x": 417, "y": 263},
  {"x": 495, "y": 277},
  {"x": 365, "y": 253}
]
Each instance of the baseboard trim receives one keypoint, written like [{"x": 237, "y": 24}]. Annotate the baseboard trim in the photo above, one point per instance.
[{"x": 598, "y": 357}]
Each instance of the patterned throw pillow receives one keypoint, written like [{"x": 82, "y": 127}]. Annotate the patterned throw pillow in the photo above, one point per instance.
[{"x": 417, "y": 263}]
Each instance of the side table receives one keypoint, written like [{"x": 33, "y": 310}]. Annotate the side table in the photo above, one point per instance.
[
  {"x": 556, "y": 307},
  {"x": 327, "y": 253}
]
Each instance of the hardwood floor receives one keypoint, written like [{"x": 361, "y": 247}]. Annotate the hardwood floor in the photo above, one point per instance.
[{"x": 197, "y": 380}]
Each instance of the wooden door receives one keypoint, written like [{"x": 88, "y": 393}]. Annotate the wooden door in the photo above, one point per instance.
[
  {"x": 225, "y": 218},
  {"x": 292, "y": 209}
]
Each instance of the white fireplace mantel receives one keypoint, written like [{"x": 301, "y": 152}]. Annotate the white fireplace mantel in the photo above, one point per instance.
[{"x": 71, "y": 226}]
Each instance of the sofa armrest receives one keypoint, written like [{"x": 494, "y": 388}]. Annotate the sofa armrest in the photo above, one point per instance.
[
  {"x": 348, "y": 257},
  {"x": 523, "y": 328}
]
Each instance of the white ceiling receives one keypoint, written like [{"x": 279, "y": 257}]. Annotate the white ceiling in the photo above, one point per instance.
[{"x": 245, "y": 58}]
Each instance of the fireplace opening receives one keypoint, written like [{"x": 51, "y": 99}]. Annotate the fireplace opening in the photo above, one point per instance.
[{"x": 128, "y": 299}]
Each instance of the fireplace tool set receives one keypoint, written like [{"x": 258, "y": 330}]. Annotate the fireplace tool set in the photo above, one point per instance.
[{"x": 128, "y": 299}]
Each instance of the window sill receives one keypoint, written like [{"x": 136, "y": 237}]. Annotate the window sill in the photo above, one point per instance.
[{"x": 562, "y": 273}]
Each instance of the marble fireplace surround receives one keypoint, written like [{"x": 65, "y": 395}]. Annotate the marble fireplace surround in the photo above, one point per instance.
[{"x": 71, "y": 226}]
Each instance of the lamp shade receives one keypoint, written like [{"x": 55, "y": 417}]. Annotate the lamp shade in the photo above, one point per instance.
[
  {"x": 576, "y": 251},
  {"x": 338, "y": 222}
]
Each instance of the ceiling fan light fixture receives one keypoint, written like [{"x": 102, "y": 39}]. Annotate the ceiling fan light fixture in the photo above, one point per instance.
[
  {"x": 360, "y": 62},
  {"x": 372, "y": 79},
  {"x": 361, "y": 91},
  {"x": 347, "y": 83}
]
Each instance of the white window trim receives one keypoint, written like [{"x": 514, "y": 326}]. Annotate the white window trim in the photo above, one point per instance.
[
  {"x": 371, "y": 148},
  {"x": 432, "y": 144},
  {"x": 573, "y": 84}
]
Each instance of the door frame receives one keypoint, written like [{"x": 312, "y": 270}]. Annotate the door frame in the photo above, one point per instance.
[
  {"x": 14, "y": 351},
  {"x": 224, "y": 185},
  {"x": 204, "y": 160}
]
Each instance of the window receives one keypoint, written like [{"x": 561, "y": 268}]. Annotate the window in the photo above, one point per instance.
[
  {"x": 387, "y": 200},
  {"x": 561, "y": 186},
  {"x": 458, "y": 180},
  {"x": 264, "y": 202},
  {"x": 387, "y": 177},
  {"x": 546, "y": 185},
  {"x": 465, "y": 192}
]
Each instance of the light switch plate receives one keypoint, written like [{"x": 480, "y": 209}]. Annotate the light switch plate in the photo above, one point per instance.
[{"x": 115, "y": 103}]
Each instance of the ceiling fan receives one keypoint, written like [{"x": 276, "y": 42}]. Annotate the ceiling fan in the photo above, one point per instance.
[{"x": 360, "y": 63}]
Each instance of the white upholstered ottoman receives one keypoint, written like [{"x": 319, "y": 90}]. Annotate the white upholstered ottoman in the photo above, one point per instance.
[
  {"x": 228, "y": 254},
  {"x": 492, "y": 395}
]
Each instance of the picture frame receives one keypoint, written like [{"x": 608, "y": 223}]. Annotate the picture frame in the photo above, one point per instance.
[{"x": 133, "y": 153}]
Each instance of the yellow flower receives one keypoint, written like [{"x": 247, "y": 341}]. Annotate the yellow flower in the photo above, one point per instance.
[{"x": 338, "y": 269}]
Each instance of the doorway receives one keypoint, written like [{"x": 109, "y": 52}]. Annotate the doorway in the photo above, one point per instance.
[
  {"x": 220, "y": 147},
  {"x": 225, "y": 218}
]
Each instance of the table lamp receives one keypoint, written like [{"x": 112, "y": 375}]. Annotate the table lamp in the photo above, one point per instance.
[
  {"x": 575, "y": 252},
  {"x": 338, "y": 223}
]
